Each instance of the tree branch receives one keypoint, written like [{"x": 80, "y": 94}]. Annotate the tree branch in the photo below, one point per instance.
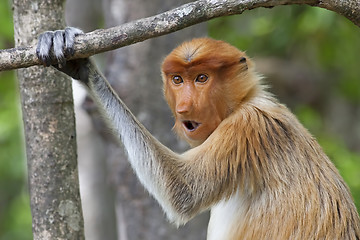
[{"x": 189, "y": 14}]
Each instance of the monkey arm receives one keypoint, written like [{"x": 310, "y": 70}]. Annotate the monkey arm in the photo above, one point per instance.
[
  {"x": 176, "y": 181},
  {"x": 171, "y": 178}
]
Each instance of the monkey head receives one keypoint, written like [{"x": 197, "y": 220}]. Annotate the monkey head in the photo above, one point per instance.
[{"x": 205, "y": 80}]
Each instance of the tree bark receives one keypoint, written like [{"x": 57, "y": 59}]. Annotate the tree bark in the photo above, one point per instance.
[
  {"x": 49, "y": 124},
  {"x": 189, "y": 14}
]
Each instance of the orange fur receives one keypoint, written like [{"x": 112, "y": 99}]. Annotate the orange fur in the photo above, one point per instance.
[
  {"x": 228, "y": 85},
  {"x": 252, "y": 154}
]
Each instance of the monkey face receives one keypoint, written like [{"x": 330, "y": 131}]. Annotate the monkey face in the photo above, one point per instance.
[
  {"x": 203, "y": 82},
  {"x": 197, "y": 109}
]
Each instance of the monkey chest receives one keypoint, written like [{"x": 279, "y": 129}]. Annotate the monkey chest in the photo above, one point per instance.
[{"x": 226, "y": 219}]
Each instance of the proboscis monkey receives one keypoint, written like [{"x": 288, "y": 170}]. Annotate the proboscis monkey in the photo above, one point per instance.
[{"x": 258, "y": 170}]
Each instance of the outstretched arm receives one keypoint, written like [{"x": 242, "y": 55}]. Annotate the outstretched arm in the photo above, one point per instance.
[{"x": 171, "y": 178}]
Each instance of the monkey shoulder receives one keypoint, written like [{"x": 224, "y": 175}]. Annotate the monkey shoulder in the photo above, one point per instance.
[{"x": 261, "y": 128}]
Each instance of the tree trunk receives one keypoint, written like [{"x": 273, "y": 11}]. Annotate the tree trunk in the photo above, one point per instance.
[{"x": 49, "y": 124}]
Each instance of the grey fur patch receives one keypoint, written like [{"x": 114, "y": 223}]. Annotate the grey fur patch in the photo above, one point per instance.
[
  {"x": 44, "y": 46},
  {"x": 69, "y": 36},
  {"x": 58, "y": 46}
]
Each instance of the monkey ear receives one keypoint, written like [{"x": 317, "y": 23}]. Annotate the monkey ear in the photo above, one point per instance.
[{"x": 242, "y": 60}]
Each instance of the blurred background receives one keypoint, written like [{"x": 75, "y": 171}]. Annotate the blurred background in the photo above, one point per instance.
[{"x": 309, "y": 57}]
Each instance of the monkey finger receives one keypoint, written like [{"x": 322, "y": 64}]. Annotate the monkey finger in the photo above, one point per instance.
[
  {"x": 44, "y": 47},
  {"x": 69, "y": 37},
  {"x": 58, "y": 46}
]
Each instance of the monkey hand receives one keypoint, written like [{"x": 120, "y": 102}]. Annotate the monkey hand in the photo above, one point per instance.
[{"x": 57, "y": 45}]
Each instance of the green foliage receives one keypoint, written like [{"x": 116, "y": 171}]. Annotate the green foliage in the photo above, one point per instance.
[
  {"x": 15, "y": 219},
  {"x": 6, "y": 26}
]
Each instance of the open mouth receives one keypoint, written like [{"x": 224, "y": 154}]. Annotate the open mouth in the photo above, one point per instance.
[{"x": 191, "y": 125}]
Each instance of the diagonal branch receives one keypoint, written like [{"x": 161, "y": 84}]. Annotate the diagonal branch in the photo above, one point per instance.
[{"x": 186, "y": 15}]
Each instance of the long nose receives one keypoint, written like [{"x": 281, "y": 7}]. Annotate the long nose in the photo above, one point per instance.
[
  {"x": 185, "y": 103},
  {"x": 184, "y": 106}
]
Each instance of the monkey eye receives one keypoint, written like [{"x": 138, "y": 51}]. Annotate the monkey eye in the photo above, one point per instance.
[
  {"x": 177, "y": 79},
  {"x": 201, "y": 78}
]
